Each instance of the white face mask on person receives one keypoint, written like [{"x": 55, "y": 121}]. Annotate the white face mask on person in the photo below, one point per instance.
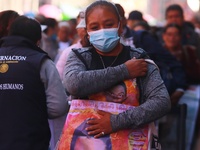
[{"x": 104, "y": 39}]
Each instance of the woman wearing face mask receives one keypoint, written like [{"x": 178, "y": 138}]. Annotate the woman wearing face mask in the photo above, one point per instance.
[{"x": 105, "y": 65}]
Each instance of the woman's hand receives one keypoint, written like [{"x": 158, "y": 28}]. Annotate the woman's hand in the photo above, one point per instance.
[
  {"x": 100, "y": 127},
  {"x": 136, "y": 67}
]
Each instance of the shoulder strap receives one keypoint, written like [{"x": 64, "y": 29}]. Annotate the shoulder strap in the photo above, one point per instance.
[{"x": 80, "y": 57}]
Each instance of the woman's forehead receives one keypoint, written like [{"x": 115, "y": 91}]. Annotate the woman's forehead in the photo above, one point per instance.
[{"x": 101, "y": 14}]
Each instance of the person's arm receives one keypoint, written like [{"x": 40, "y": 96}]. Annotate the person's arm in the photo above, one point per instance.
[
  {"x": 156, "y": 104},
  {"x": 87, "y": 82},
  {"x": 80, "y": 82},
  {"x": 57, "y": 104}
]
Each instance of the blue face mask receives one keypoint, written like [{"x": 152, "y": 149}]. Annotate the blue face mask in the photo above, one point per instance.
[{"x": 105, "y": 39}]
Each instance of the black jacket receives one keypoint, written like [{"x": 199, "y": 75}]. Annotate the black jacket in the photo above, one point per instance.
[{"x": 23, "y": 110}]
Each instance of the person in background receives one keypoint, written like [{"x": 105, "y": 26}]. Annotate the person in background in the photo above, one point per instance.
[
  {"x": 63, "y": 35},
  {"x": 134, "y": 17},
  {"x": 31, "y": 90},
  {"x": 63, "y": 38},
  {"x": 186, "y": 54},
  {"x": 40, "y": 18},
  {"x": 6, "y": 19},
  {"x": 73, "y": 34},
  {"x": 141, "y": 25},
  {"x": 109, "y": 63},
  {"x": 82, "y": 42},
  {"x": 49, "y": 42},
  {"x": 176, "y": 82},
  {"x": 174, "y": 14}
]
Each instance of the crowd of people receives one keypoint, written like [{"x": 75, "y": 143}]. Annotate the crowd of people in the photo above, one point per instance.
[{"x": 101, "y": 55}]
